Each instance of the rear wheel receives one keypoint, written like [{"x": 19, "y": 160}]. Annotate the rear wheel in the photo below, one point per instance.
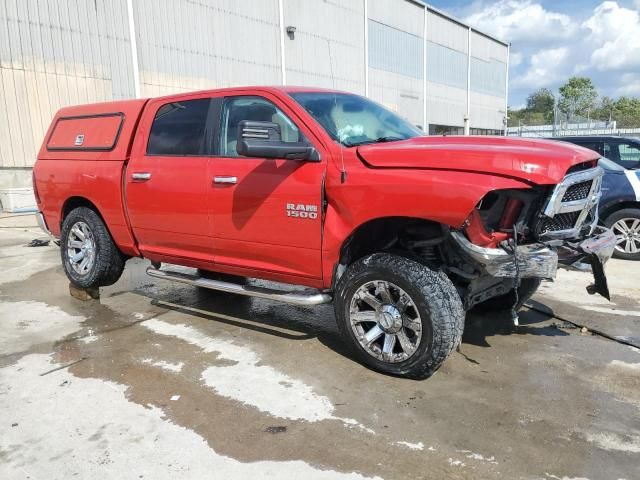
[
  {"x": 625, "y": 224},
  {"x": 89, "y": 256},
  {"x": 400, "y": 317}
]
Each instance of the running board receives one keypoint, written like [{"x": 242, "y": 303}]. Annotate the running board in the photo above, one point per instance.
[{"x": 304, "y": 298}]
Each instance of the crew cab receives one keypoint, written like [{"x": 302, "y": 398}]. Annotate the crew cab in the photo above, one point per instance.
[{"x": 328, "y": 191}]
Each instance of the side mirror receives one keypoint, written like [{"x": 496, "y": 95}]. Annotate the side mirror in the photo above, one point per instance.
[{"x": 264, "y": 140}]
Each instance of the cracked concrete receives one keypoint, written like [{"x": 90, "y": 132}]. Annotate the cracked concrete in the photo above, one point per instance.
[{"x": 159, "y": 380}]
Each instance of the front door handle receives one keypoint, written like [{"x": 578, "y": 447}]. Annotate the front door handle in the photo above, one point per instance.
[
  {"x": 225, "y": 180},
  {"x": 140, "y": 176}
]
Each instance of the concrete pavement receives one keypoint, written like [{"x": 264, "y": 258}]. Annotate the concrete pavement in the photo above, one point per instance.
[{"x": 159, "y": 380}]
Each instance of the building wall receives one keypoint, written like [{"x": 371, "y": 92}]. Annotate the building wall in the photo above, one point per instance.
[{"x": 55, "y": 53}]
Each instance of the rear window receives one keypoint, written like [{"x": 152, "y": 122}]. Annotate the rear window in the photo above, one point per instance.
[
  {"x": 88, "y": 132},
  {"x": 179, "y": 128}
]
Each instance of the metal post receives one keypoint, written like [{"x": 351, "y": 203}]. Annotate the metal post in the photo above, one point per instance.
[
  {"x": 283, "y": 64},
  {"x": 366, "y": 48},
  {"x": 134, "y": 49},
  {"x": 425, "y": 126},
  {"x": 468, "y": 114},
  {"x": 506, "y": 94}
]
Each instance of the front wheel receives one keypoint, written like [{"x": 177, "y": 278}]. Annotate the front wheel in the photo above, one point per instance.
[
  {"x": 401, "y": 317},
  {"x": 89, "y": 255},
  {"x": 625, "y": 224}
]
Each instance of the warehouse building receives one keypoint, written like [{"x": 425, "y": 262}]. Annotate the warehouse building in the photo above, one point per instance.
[{"x": 434, "y": 70}]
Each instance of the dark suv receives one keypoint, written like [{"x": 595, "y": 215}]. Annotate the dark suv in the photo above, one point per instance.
[
  {"x": 620, "y": 202},
  {"x": 625, "y": 151}
]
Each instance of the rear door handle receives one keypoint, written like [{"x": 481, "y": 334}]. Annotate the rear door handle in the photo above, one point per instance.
[
  {"x": 140, "y": 176},
  {"x": 225, "y": 180}
]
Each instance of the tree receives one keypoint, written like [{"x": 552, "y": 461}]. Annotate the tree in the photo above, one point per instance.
[
  {"x": 541, "y": 101},
  {"x": 578, "y": 96}
]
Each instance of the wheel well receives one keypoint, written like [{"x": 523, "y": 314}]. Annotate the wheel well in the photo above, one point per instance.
[
  {"x": 610, "y": 209},
  {"x": 414, "y": 236},
  {"x": 75, "y": 202}
]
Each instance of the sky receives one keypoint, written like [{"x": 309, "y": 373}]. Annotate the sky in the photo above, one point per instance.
[{"x": 554, "y": 40}]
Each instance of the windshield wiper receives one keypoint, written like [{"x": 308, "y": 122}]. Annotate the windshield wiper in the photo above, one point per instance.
[{"x": 377, "y": 140}]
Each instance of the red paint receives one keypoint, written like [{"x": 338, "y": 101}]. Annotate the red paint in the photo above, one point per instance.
[
  {"x": 180, "y": 216},
  {"x": 510, "y": 214},
  {"x": 479, "y": 235}
]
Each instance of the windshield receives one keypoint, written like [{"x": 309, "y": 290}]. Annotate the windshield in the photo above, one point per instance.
[
  {"x": 353, "y": 120},
  {"x": 609, "y": 165}
]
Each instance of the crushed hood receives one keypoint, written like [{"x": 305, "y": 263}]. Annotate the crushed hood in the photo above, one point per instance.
[{"x": 535, "y": 161}]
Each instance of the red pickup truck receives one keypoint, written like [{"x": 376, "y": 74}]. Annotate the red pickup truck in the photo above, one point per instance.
[{"x": 325, "y": 190}]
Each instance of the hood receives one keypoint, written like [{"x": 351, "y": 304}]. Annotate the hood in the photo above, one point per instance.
[{"x": 535, "y": 161}]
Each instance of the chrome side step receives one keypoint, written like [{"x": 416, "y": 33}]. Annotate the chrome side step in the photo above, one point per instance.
[{"x": 304, "y": 297}]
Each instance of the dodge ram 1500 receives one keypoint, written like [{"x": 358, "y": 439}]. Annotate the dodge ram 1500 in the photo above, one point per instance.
[{"x": 326, "y": 190}]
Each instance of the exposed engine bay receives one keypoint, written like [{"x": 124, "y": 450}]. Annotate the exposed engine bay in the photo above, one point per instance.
[{"x": 528, "y": 233}]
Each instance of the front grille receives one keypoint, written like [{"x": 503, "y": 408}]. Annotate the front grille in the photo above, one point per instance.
[
  {"x": 578, "y": 191},
  {"x": 572, "y": 205},
  {"x": 562, "y": 221}
]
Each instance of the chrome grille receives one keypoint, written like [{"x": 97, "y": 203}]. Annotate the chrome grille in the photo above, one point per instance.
[
  {"x": 562, "y": 221},
  {"x": 572, "y": 205},
  {"x": 579, "y": 191}
]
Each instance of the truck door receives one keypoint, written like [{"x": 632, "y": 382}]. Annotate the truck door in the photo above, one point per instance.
[
  {"x": 166, "y": 180},
  {"x": 265, "y": 212}
]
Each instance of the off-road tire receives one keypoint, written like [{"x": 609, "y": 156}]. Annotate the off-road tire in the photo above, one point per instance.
[
  {"x": 528, "y": 286},
  {"x": 435, "y": 297},
  {"x": 619, "y": 215},
  {"x": 109, "y": 261}
]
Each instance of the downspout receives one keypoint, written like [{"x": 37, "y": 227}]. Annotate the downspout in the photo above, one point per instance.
[
  {"x": 468, "y": 114},
  {"x": 366, "y": 48},
  {"x": 425, "y": 126},
  {"x": 134, "y": 49},
  {"x": 283, "y": 65},
  {"x": 506, "y": 93}
]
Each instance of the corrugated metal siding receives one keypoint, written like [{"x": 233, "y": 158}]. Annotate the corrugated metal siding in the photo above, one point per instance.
[
  {"x": 195, "y": 44},
  {"x": 446, "y": 66},
  {"x": 446, "y": 105},
  {"x": 488, "y": 77},
  {"x": 328, "y": 47},
  {"x": 487, "y": 111},
  {"x": 55, "y": 53},
  {"x": 399, "y": 93},
  {"x": 446, "y": 32},
  {"x": 395, "y": 51},
  {"x": 61, "y": 52},
  {"x": 403, "y": 15}
]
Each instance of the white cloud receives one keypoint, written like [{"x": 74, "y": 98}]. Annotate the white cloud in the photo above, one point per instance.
[
  {"x": 546, "y": 68},
  {"x": 630, "y": 85},
  {"x": 520, "y": 21},
  {"x": 548, "y": 46},
  {"x": 516, "y": 58},
  {"x": 615, "y": 34}
]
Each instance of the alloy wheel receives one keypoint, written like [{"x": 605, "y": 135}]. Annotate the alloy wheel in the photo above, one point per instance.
[
  {"x": 385, "y": 321},
  {"x": 81, "y": 248},
  {"x": 627, "y": 231}
]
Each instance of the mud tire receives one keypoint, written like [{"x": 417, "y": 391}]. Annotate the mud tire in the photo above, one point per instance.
[
  {"x": 109, "y": 261},
  {"x": 435, "y": 297}
]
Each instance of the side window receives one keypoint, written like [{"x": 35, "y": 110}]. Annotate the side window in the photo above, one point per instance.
[
  {"x": 237, "y": 109},
  {"x": 611, "y": 152},
  {"x": 593, "y": 146},
  {"x": 179, "y": 128},
  {"x": 629, "y": 155}
]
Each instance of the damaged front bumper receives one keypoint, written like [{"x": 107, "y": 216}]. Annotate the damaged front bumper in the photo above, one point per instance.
[{"x": 542, "y": 260}]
